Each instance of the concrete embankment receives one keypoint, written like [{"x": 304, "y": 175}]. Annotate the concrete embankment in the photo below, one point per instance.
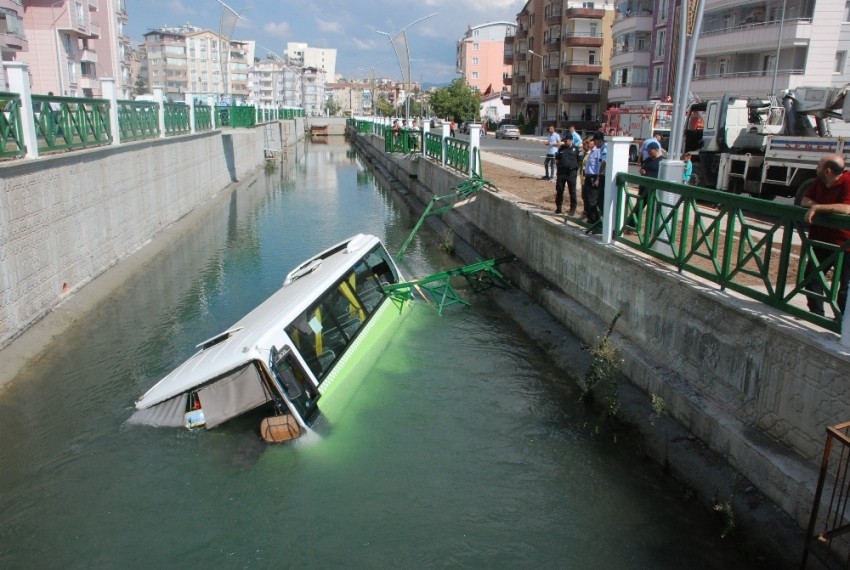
[
  {"x": 755, "y": 387},
  {"x": 65, "y": 219}
]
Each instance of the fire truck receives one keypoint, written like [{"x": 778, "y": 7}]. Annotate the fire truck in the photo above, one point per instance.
[{"x": 640, "y": 120}]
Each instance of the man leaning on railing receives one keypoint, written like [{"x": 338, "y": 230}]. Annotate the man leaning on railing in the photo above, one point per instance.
[{"x": 830, "y": 193}]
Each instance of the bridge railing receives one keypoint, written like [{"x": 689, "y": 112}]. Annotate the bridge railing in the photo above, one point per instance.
[
  {"x": 63, "y": 123},
  {"x": 748, "y": 245},
  {"x": 453, "y": 153},
  {"x": 11, "y": 135},
  {"x": 33, "y": 124}
]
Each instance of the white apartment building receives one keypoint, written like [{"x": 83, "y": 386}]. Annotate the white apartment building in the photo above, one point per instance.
[
  {"x": 749, "y": 47},
  {"x": 299, "y": 53}
]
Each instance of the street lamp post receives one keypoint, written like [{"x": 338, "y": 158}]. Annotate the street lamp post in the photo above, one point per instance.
[
  {"x": 405, "y": 77},
  {"x": 540, "y": 105}
]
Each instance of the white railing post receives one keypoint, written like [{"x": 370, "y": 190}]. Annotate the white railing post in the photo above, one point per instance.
[
  {"x": 190, "y": 101},
  {"x": 159, "y": 97},
  {"x": 474, "y": 148},
  {"x": 19, "y": 82},
  {"x": 107, "y": 84},
  {"x": 616, "y": 162},
  {"x": 445, "y": 141},
  {"x": 211, "y": 104}
]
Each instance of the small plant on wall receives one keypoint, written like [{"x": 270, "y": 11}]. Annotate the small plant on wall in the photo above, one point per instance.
[{"x": 600, "y": 382}]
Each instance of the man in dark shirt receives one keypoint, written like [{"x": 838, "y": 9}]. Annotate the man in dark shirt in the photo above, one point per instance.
[
  {"x": 567, "y": 160},
  {"x": 829, "y": 193}
]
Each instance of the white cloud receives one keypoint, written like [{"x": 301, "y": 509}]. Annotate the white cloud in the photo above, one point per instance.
[
  {"x": 329, "y": 26},
  {"x": 366, "y": 45},
  {"x": 279, "y": 29}
]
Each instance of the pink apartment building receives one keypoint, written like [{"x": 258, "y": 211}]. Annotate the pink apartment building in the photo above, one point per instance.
[
  {"x": 13, "y": 38},
  {"x": 481, "y": 55},
  {"x": 73, "y": 44}
]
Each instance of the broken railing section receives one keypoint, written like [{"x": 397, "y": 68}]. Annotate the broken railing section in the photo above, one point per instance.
[
  {"x": 479, "y": 276},
  {"x": 461, "y": 192}
]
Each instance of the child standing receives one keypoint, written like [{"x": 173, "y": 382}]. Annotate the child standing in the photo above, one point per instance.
[{"x": 689, "y": 168}]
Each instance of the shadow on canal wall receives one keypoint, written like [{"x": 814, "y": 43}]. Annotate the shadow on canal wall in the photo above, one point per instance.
[
  {"x": 756, "y": 387},
  {"x": 67, "y": 218}
]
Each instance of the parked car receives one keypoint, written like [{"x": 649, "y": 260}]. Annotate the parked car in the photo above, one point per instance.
[
  {"x": 464, "y": 127},
  {"x": 507, "y": 132}
]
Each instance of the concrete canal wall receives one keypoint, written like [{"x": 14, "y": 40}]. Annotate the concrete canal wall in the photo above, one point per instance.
[
  {"x": 755, "y": 386},
  {"x": 67, "y": 218}
]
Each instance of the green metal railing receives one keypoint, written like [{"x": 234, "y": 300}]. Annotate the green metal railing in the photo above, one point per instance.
[
  {"x": 203, "y": 118},
  {"x": 457, "y": 155},
  {"x": 753, "y": 247},
  {"x": 434, "y": 146},
  {"x": 63, "y": 123},
  {"x": 11, "y": 137},
  {"x": 235, "y": 116},
  {"x": 405, "y": 140},
  {"x": 176, "y": 119},
  {"x": 138, "y": 120}
]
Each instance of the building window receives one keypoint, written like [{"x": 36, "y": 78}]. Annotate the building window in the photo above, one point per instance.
[
  {"x": 474, "y": 61},
  {"x": 656, "y": 80},
  {"x": 475, "y": 75},
  {"x": 722, "y": 66},
  {"x": 847, "y": 11},
  {"x": 659, "y": 47},
  {"x": 840, "y": 59},
  {"x": 475, "y": 46}
]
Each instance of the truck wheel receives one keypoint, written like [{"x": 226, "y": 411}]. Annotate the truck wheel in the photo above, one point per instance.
[{"x": 801, "y": 191}]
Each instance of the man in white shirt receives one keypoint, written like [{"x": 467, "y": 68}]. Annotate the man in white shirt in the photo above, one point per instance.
[{"x": 553, "y": 142}]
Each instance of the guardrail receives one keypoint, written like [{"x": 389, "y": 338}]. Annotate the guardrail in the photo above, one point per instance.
[
  {"x": 456, "y": 154},
  {"x": 756, "y": 248},
  {"x": 34, "y": 124}
]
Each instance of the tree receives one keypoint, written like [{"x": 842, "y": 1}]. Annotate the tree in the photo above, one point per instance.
[
  {"x": 332, "y": 107},
  {"x": 458, "y": 101},
  {"x": 383, "y": 107},
  {"x": 140, "y": 86}
]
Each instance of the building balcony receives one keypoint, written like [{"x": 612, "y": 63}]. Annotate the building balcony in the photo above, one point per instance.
[
  {"x": 550, "y": 97},
  {"x": 755, "y": 37},
  {"x": 578, "y": 95},
  {"x": 518, "y": 79},
  {"x": 88, "y": 55},
  {"x": 746, "y": 83},
  {"x": 551, "y": 71},
  {"x": 516, "y": 99},
  {"x": 520, "y": 56},
  {"x": 508, "y": 58},
  {"x": 554, "y": 17},
  {"x": 13, "y": 42},
  {"x": 553, "y": 44},
  {"x": 625, "y": 58},
  {"x": 587, "y": 13},
  {"x": 507, "y": 79},
  {"x": 521, "y": 32},
  {"x": 638, "y": 22},
  {"x": 582, "y": 39},
  {"x": 89, "y": 82},
  {"x": 509, "y": 38},
  {"x": 581, "y": 67}
]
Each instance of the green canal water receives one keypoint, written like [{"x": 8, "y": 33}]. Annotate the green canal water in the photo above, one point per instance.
[{"x": 462, "y": 446}]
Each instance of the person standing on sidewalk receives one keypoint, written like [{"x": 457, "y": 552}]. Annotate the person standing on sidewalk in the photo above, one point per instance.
[
  {"x": 567, "y": 161},
  {"x": 552, "y": 142},
  {"x": 830, "y": 193},
  {"x": 593, "y": 182}
]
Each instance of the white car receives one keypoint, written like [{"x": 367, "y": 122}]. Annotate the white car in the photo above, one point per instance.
[{"x": 507, "y": 132}]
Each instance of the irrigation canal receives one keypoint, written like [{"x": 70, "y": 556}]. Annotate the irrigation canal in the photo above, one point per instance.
[{"x": 462, "y": 447}]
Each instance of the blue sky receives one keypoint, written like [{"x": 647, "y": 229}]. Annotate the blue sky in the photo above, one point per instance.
[{"x": 350, "y": 26}]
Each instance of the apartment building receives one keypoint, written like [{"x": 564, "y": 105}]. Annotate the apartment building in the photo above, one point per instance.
[
  {"x": 480, "y": 55},
  {"x": 73, "y": 44},
  {"x": 559, "y": 57},
  {"x": 13, "y": 38},
  {"x": 352, "y": 98},
  {"x": 188, "y": 59},
  {"x": 299, "y": 53},
  {"x": 750, "y": 47}
]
